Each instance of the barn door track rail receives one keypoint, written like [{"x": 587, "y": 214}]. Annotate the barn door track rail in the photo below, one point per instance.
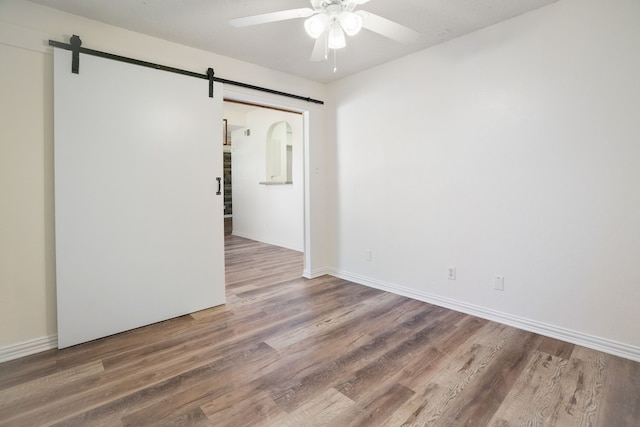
[{"x": 75, "y": 46}]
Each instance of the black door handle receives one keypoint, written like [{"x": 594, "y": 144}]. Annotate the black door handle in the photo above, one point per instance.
[{"x": 219, "y": 192}]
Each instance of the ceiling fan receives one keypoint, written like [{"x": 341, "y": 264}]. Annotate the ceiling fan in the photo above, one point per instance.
[{"x": 329, "y": 20}]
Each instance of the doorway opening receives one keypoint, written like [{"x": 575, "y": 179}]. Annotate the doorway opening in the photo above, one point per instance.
[{"x": 264, "y": 174}]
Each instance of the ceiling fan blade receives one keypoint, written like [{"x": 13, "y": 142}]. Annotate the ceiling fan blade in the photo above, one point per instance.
[
  {"x": 387, "y": 28},
  {"x": 359, "y": 1},
  {"x": 283, "y": 15},
  {"x": 320, "y": 49}
]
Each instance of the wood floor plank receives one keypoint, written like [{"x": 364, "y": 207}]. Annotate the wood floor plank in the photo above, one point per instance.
[
  {"x": 620, "y": 399},
  {"x": 325, "y": 324},
  {"x": 191, "y": 418},
  {"x": 376, "y": 411},
  {"x": 299, "y": 386},
  {"x": 243, "y": 406},
  {"x": 290, "y": 351},
  {"x": 150, "y": 404},
  {"x": 302, "y": 362},
  {"x": 48, "y": 383},
  {"x": 323, "y": 410},
  {"x": 536, "y": 397},
  {"x": 556, "y": 347},
  {"x": 392, "y": 361},
  {"x": 415, "y": 372},
  {"x": 582, "y": 385},
  {"x": 140, "y": 373},
  {"x": 27, "y": 368},
  {"x": 477, "y": 404},
  {"x": 440, "y": 385}
]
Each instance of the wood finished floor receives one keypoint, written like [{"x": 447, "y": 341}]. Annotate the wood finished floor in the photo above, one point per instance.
[{"x": 285, "y": 351}]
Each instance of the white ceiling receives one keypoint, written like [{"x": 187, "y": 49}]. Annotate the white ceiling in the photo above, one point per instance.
[{"x": 285, "y": 46}]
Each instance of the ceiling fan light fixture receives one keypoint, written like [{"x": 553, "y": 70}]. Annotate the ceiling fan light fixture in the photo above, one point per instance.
[
  {"x": 327, "y": 21},
  {"x": 316, "y": 25},
  {"x": 350, "y": 22},
  {"x": 336, "y": 36}
]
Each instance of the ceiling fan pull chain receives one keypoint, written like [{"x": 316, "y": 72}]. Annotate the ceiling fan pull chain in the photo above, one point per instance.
[{"x": 335, "y": 60}]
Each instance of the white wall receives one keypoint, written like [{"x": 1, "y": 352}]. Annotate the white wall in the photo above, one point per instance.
[
  {"x": 513, "y": 150},
  {"x": 27, "y": 258},
  {"x": 267, "y": 213}
]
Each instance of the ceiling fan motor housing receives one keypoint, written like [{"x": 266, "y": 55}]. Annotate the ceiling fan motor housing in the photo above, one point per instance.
[{"x": 333, "y": 6}]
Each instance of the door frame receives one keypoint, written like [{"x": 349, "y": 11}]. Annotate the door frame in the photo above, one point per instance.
[{"x": 268, "y": 100}]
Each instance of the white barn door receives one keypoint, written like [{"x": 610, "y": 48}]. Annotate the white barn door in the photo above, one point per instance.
[{"x": 139, "y": 227}]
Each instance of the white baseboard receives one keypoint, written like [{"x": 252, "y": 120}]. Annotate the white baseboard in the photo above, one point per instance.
[
  {"x": 27, "y": 348},
  {"x": 597, "y": 343},
  {"x": 312, "y": 274},
  {"x": 627, "y": 351}
]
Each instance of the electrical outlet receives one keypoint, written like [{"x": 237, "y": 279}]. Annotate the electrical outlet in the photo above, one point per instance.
[
  {"x": 367, "y": 256},
  {"x": 451, "y": 273},
  {"x": 498, "y": 282}
]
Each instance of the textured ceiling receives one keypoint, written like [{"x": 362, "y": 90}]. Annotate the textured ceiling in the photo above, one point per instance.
[{"x": 284, "y": 45}]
